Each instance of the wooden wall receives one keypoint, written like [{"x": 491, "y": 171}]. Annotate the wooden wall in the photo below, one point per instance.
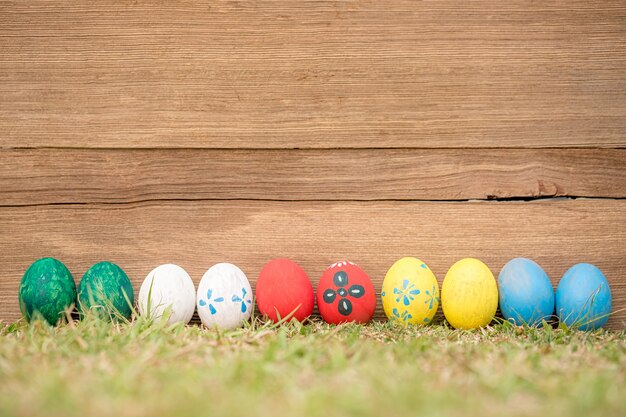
[{"x": 196, "y": 132}]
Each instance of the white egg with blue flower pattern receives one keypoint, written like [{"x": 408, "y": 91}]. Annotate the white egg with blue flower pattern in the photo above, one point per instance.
[{"x": 224, "y": 297}]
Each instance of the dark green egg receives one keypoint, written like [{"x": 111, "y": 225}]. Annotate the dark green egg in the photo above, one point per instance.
[
  {"x": 47, "y": 290},
  {"x": 106, "y": 290}
]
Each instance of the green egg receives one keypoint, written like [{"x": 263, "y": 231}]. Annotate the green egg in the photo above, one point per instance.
[
  {"x": 47, "y": 290},
  {"x": 106, "y": 289}
]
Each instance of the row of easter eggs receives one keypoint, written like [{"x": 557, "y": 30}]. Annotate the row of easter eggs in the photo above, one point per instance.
[
  {"x": 470, "y": 294},
  {"x": 410, "y": 293}
]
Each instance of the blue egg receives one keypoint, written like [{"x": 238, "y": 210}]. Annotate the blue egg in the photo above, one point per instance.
[
  {"x": 583, "y": 298},
  {"x": 526, "y": 294}
]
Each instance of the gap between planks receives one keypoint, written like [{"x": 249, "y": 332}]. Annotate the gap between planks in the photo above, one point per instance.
[{"x": 182, "y": 200}]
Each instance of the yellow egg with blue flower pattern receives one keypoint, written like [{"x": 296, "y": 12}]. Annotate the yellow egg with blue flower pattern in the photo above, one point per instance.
[{"x": 410, "y": 292}]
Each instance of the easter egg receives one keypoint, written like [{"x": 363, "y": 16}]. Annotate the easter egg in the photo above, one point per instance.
[
  {"x": 345, "y": 294},
  {"x": 469, "y": 294},
  {"x": 224, "y": 297},
  {"x": 583, "y": 297},
  {"x": 106, "y": 289},
  {"x": 283, "y": 289},
  {"x": 526, "y": 294},
  {"x": 410, "y": 292},
  {"x": 46, "y": 291},
  {"x": 167, "y": 289}
]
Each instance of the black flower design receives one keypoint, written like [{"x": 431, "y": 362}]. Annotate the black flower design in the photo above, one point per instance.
[{"x": 341, "y": 282}]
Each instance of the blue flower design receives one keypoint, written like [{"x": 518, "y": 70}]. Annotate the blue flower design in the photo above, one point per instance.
[
  {"x": 405, "y": 316},
  {"x": 243, "y": 300},
  {"x": 407, "y": 293},
  {"x": 432, "y": 297},
  {"x": 210, "y": 302}
]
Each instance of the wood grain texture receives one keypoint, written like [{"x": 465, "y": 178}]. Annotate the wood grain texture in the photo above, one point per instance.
[
  {"x": 313, "y": 74},
  {"x": 196, "y": 235},
  {"x": 51, "y": 176}
]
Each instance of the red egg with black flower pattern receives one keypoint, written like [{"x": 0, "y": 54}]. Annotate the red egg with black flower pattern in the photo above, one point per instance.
[{"x": 345, "y": 294}]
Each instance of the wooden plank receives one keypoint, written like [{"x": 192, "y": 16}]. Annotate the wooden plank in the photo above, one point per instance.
[
  {"x": 311, "y": 74},
  {"x": 46, "y": 176},
  {"x": 556, "y": 233}
]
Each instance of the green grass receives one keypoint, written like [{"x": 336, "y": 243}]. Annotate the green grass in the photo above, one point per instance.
[{"x": 93, "y": 368}]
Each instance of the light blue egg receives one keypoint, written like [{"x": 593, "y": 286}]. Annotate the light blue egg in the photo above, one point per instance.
[
  {"x": 583, "y": 298},
  {"x": 526, "y": 294}
]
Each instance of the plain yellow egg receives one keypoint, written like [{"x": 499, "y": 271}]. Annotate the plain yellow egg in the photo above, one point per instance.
[
  {"x": 410, "y": 292},
  {"x": 469, "y": 294}
]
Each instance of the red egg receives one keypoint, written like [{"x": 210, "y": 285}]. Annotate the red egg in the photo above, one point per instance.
[
  {"x": 345, "y": 293},
  {"x": 284, "y": 288}
]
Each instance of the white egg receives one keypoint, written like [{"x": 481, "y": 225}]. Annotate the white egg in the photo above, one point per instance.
[
  {"x": 166, "y": 287},
  {"x": 224, "y": 297}
]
